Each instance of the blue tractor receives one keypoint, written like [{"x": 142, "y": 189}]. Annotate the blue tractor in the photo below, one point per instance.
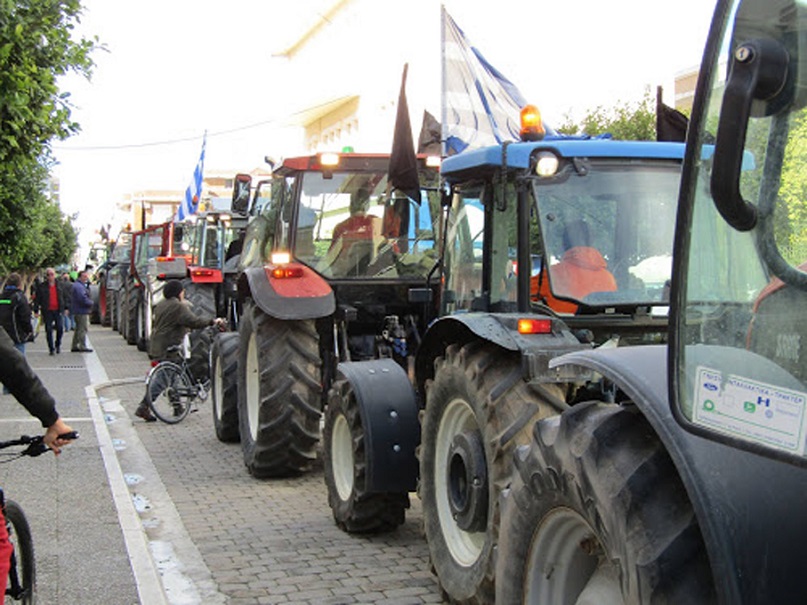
[{"x": 547, "y": 247}]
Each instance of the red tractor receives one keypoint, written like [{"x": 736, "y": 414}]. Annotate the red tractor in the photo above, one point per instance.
[{"x": 336, "y": 265}]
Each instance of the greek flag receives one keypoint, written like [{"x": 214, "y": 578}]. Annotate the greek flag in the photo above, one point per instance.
[
  {"x": 193, "y": 193},
  {"x": 480, "y": 105}
]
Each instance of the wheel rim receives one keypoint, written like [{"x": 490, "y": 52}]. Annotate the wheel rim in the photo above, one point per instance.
[
  {"x": 566, "y": 564},
  {"x": 342, "y": 457},
  {"x": 465, "y": 546},
  {"x": 253, "y": 390},
  {"x": 218, "y": 390}
]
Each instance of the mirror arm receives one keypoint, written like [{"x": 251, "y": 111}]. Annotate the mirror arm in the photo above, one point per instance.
[{"x": 758, "y": 72}]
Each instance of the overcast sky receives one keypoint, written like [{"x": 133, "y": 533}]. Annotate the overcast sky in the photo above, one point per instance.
[{"x": 174, "y": 69}]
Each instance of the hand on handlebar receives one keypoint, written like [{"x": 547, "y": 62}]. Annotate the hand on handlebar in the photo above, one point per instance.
[{"x": 52, "y": 436}]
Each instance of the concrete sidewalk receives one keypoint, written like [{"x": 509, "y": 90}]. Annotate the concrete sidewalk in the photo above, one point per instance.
[
  {"x": 80, "y": 550},
  {"x": 154, "y": 513}
]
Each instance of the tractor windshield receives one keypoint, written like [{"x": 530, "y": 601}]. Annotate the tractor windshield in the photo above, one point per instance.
[
  {"x": 350, "y": 226},
  {"x": 122, "y": 252},
  {"x": 608, "y": 233}
]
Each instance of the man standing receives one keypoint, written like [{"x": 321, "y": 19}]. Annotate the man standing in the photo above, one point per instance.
[
  {"x": 50, "y": 302},
  {"x": 80, "y": 308}
]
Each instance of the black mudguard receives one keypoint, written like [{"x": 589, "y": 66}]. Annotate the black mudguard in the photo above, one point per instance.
[
  {"x": 389, "y": 416},
  {"x": 320, "y": 304},
  {"x": 751, "y": 509},
  {"x": 500, "y": 329}
]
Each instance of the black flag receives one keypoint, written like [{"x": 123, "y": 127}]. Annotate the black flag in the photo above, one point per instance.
[
  {"x": 430, "y": 139},
  {"x": 671, "y": 124},
  {"x": 403, "y": 165}
]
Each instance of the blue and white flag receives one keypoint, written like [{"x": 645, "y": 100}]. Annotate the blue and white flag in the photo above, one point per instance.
[
  {"x": 193, "y": 194},
  {"x": 480, "y": 105}
]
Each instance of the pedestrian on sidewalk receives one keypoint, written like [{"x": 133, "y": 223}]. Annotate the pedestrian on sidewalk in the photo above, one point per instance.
[
  {"x": 15, "y": 313},
  {"x": 25, "y": 385},
  {"x": 173, "y": 319},
  {"x": 50, "y": 302},
  {"x": 67, "y": 291},
  {"x": 80, "y": 309}
]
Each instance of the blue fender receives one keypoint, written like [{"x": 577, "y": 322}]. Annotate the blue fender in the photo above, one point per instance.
[
  {"x": 389, "y": 418},
  {"x": 751, "y": 509}
]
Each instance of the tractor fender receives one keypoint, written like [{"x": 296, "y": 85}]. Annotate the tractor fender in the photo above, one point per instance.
[
  {"x": 501, "y": 330},
  {"x": 754, "y": 537},
  {"x": 389, "y": 417},
  {"x": 305, "y": 297}
]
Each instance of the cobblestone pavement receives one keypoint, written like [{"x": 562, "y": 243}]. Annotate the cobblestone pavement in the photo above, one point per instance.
[{"x": 251, "y": 541}]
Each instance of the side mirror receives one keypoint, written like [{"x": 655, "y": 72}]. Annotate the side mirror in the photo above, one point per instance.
[{"x": 241, "y": 189}]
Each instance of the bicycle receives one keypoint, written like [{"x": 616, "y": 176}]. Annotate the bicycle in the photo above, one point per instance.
[
  {"x": 171, "y": 388},
  {"x": 21, "y": 585}
]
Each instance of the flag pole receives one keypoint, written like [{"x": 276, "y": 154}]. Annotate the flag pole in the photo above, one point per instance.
[{"x": 443, "y": 109}]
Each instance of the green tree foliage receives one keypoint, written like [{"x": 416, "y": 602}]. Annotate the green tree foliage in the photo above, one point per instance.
[
  {"x": 37, "y": 46},
  {"x": 626, "y": 121}
]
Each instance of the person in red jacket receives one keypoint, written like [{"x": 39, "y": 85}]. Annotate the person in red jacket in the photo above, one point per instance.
[
  {"x": 581, "y": 271},
  {"x": 49, "y": 300}
]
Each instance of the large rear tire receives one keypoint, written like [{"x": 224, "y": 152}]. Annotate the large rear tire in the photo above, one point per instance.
[
  {"x": 114, "y": 309},
  {"x": 478, "y": 410},
  {"x": 345, "y": 458},
  {"x": 279, "y": 394},
  {"x": 203, "y": 303},
  {"x": 95, "y": 312},
  {"x": 224, "y": 386},
  {"x": 104, "y": 304},
  {"x": 132, "y": 312},
  {"x": 598, "y": 514},
  {"x": 142, "y": 339}
]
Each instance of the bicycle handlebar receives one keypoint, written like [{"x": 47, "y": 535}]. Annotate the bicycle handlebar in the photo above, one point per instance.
[{"x": 35, "y": 445}]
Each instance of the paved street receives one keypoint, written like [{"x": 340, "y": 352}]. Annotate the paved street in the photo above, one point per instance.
[{"x": 151, "y": 513}]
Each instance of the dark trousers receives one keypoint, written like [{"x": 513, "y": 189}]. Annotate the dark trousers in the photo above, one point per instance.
[
  {"x": 53, "y": 320},
  {"x": 80, "y": 335}
]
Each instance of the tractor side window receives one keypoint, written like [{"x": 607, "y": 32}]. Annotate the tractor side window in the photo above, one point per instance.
[
  {"x": 463, "y": 253},
  {"x": 503, "y": 268},
  {"x": 260, "y": 240}
]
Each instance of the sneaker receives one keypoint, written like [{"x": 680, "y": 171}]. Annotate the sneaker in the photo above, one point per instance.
[
  {"x": 53, "y": 352},
  {"x": 144, "y": 412}
]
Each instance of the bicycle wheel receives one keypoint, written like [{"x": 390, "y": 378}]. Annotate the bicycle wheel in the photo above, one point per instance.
[
  {"x": 21, "y": 586},
  {"x": 170, "y": 392}
]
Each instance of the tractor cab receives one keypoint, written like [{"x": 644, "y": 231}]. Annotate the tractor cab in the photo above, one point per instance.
[
  {"x": 595, "y": 245},
  {"x": 738, "y": 367}
]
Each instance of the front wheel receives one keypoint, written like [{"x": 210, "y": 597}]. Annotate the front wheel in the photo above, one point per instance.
[
  {"x": 354, "y": 510},
  {"x": 224, "y": 386},
  {"x": 169, "y": 392},
  {"x": 598, "y": 514},
  {"x": 21, "y": 586},
  {"x": 478, "y": 410}
]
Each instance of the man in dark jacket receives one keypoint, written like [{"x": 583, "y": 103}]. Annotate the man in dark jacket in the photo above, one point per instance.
[
  {"x": 50, "y": 302},
  {"x": 24, "y": 384},
  {"x": 15, "y": 312},
  {"x": 173, "y": 319},
  {"x": 80, "y": 309}
]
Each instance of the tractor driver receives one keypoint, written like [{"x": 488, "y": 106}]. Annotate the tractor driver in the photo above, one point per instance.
[
  {"x": 359, "y": 225},
  {"x": 581, "y": 271}
]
